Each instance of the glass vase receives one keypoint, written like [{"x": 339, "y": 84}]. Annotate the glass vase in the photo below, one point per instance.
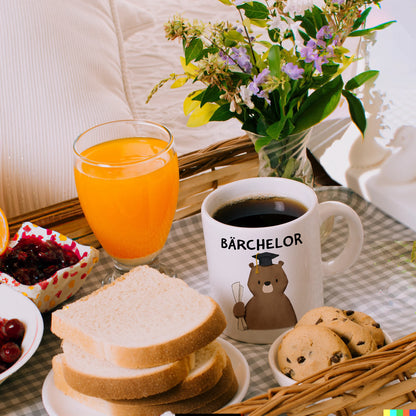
[{"x": 286, "y": 157}]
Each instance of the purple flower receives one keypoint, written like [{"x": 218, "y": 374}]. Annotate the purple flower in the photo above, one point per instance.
[
  {"x": 338, "y": 1},
  {"x": 261, "y": 78},
  {"x": 254, "y": 86},
  {"x": 240, "y": 57},
  {"x": 292, "y": 70},
  {"x": 309, "y": 52},
  {"x": 319, "y": 61},
  {"x": 325, "y": 32}
]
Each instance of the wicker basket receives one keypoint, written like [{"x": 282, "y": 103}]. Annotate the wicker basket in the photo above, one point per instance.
[{"x": 363, "y": 386}]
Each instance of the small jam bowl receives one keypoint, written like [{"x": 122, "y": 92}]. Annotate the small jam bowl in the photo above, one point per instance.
[
  {"x": 15, "y": 305},
  {"x": 281, "y": 378},
  {"x": 65, "y": 282}
]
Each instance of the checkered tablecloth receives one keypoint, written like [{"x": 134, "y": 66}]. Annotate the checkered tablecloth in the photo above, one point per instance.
[{"x": 382, "y": 283}]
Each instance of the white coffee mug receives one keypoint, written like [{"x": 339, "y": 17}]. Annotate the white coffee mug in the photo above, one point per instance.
[{"x": 266, "y": 278}]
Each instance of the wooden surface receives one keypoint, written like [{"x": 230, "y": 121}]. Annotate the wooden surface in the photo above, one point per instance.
[{"x": 200, "y": 173}]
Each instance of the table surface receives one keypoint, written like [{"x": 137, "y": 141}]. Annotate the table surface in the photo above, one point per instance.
[{"x": 382, "y": 283}]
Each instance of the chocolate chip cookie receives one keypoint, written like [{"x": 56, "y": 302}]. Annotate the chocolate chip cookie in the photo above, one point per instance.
[
  {"x": 358, "y": 338},
  {"x": 320, "y": 315},
  {"x": 368, "y": 322},
  {"x": 307, "y": 349}
]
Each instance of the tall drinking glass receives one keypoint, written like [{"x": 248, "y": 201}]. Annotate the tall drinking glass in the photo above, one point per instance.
[{"x": 127, "y": 178}]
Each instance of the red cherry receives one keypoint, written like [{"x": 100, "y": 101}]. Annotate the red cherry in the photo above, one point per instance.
[
  {"x": 13, "y": 330},
  {"x": 33, "y": 260},
  {"x": 10, "y": 352}
]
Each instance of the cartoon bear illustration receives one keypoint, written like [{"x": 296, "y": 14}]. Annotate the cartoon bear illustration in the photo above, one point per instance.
[{"x": 269, "y": 308}]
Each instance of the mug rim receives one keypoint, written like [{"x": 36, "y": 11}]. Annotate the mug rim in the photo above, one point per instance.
[{"x": 208, "y": 211}]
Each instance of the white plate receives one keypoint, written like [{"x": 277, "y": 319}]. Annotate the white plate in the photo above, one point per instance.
[
  {"x": 15, "y": 305},
  {"x": 57, "y": 403}
]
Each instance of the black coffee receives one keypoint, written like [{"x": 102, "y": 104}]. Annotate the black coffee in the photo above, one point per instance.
[{"x": 260, "y": 212}]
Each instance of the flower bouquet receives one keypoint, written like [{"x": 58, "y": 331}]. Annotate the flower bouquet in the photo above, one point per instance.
[{"x": 278, "y": 69}]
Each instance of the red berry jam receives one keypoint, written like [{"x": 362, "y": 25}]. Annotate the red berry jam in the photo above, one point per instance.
[
  {"x": 33, "y": 260},
  {"x": 11, "y": 336}
]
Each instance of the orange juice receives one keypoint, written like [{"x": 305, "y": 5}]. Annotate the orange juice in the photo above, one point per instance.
[{"x": 128, "y": 193}]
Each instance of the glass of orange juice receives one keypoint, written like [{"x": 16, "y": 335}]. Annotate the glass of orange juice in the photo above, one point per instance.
[{"x": 127, "y": 178}]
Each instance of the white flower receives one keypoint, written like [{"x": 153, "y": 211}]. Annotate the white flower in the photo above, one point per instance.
[
  {"x": 245, "y": 94},
  {"x": 278, "y": 23},
  {"x": 284, "y": 25},
  {"x": 297, "y": 7}
]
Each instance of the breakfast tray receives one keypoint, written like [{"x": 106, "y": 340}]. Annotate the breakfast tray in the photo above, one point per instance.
[{"x": 382, "y": 283}]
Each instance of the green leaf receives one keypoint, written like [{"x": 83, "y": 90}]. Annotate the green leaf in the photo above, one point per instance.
[
  {"x": 193, "y": 50},
  {"x": 227, "y": 2},
  {"x": 210, "y": 94},
  {"x": 274, "y": 130},
  {"x": 274, "y": 35},
  {"x": 319, "y": 17},
  {"x": 356, "y": 110},
  {"x": 222, "y": 113},
  {"x": 254, "y": 10},
  {"x": 234, "y": 35},
  {"x": 319, "y": 105},
  {"x": 309, "y": 27},
  {"x": 261, "y": 142},
  {"x": 273, "y": 59},
  {"x": 364, "y": 32},
  {"x": 304, "y": 35},
  {"x": 258, "y": 22},
  {"x": 330, "y": 69},
  {"x": 361, "y": 19},
  {"x": 360, "y": 79}
]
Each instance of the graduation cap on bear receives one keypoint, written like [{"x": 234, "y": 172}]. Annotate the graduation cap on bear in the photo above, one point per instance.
[{"x": 265, "y": 259}]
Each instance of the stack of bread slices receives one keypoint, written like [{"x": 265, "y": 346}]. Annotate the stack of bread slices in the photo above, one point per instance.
[{"x": 142, "y": 345}]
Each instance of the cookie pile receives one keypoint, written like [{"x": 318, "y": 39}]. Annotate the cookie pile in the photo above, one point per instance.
[{"x": 325, "y": 336}]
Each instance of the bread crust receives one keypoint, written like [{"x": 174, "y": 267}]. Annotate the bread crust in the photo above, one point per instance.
[
  {"x": 162, "y": 379},
  {"x": 208, "y": 401},
  {"x": 194, "y": 385}
]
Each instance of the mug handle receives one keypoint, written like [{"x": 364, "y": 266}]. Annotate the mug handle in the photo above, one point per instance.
[{"x": 355, "y": 239}]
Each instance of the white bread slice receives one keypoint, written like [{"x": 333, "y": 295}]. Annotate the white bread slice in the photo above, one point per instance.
[
  {"x": 212, "y": 399},
  {"x": 210, "y": 362},
  {"x": 142, "y": 319},
  {"x": 100, "y": 378}
]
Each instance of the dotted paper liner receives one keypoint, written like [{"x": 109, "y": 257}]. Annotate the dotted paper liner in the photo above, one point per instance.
[{"x": 65, "y": 282}]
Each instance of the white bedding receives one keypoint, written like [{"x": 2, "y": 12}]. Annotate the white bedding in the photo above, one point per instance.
[{"x": 67, "y": 66}]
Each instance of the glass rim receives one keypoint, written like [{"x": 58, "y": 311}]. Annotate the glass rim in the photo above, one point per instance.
[{"x": 168, "y": 147}]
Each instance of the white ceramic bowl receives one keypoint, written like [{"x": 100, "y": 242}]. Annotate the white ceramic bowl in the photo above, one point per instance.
[
  {"x": 278, "y": 375},
  {"x": 15, "y": 305}
]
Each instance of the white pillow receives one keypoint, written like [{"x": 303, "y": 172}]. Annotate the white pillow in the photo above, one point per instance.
[{"x": 62, "y": 71}]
